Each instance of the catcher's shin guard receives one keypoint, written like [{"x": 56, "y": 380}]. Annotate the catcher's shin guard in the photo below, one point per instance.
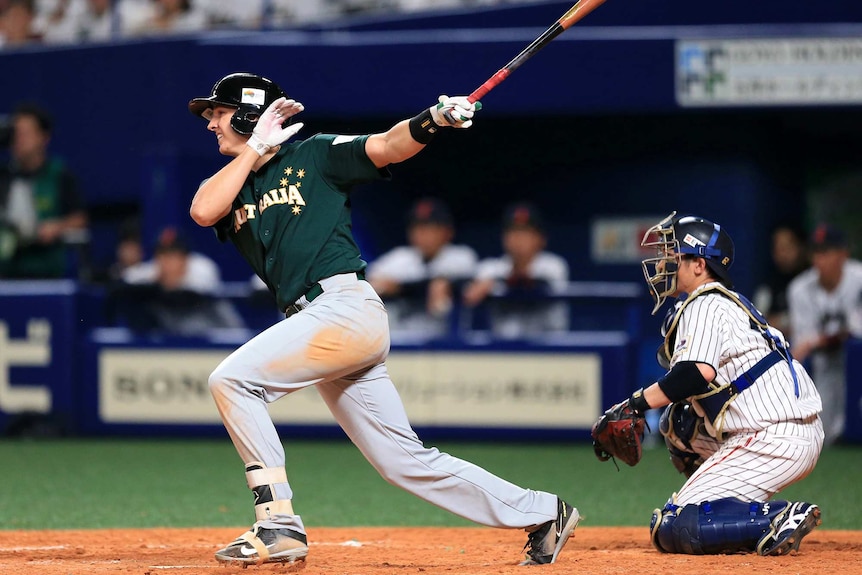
[{"x": 727, "y": 525}]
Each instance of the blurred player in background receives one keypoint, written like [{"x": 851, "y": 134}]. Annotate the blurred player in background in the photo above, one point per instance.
[
  {"x": 825, "y": 305},
  {"x": 789, "y": 259},
  {"x": 526, "y": 274},
  {"x": 176, "y": 292},
  {"x": 417, "y": 281}
]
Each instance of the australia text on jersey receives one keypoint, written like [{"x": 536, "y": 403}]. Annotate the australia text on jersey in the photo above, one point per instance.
[{"x": 288, "y": 194}]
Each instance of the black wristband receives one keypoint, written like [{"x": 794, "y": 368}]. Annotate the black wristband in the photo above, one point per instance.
[
  {"x": 422, "y": 127},
  {"x": 638, "y": 403}
]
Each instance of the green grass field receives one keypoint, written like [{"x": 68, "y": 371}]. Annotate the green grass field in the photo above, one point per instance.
[{"x": 79, "y": 484}]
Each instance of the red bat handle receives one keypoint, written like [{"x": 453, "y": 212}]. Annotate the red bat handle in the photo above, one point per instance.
[{"x": 489, "y": 85}]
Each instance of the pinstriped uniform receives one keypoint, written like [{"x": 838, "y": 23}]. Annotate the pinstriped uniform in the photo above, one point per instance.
[
  {"x": 771, "y": 436},
  {"x": 815, "y": 312}
]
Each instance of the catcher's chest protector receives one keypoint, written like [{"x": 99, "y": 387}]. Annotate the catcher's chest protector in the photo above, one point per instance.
[{"x": 714, "y": 402}]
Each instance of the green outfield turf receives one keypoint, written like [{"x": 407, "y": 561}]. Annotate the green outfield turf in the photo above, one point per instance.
[{"x": 66, "y": 484}]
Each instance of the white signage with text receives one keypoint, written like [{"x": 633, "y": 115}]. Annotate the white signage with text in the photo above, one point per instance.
[{"x": 531, "y": 390}]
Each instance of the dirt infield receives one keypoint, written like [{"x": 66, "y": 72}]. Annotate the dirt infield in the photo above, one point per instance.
[{"x": 388, "y": 550}]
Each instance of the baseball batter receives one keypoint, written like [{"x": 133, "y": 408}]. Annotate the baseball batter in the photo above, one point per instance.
[
  {"x": 742, "y": 419},
  {"x": 286, "y": 208}
]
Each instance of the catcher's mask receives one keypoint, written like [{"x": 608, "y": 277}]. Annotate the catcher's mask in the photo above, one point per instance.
[
  {"x": 250, "y": 94},
  {"x": 687, "y": 235}
]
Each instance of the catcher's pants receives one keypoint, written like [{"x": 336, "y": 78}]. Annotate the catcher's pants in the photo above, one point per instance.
[{"x": 754, "y": 466}]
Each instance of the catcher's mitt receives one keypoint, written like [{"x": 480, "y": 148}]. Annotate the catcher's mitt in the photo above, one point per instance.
[{"x": 619, "y": 433}]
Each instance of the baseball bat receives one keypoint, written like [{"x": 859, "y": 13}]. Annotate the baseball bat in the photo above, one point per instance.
[{"x": 574, "y": 14}]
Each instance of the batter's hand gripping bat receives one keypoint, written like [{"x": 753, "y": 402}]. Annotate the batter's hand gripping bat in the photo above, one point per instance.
[{"x": 575, "y": 13}]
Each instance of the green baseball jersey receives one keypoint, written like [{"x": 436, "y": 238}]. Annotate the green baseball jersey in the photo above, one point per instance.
[{"x": 291, "y": 219}]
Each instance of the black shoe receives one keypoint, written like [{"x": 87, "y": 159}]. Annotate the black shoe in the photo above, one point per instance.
[{"x": 545, "y": 543}]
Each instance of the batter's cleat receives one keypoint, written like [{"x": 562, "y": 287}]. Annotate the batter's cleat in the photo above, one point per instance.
[
  {"x": 788, "y": 528},
  {"x": 545, "y": 543},
  {"x": 261, "y": 545}
]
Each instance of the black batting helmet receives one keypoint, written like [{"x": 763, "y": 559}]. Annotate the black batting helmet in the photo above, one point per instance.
[{"x": 250, "y": 94}]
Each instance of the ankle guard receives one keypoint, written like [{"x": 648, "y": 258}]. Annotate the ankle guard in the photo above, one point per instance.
[
  {"x": 261, "y": 480},
  {"x": 725, "y": 525}
]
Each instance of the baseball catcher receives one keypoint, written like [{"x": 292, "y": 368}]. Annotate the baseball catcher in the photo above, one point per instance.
[{"x": 741, "y": 418}]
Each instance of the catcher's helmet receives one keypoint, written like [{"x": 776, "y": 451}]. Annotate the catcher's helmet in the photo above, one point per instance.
[
  {"x": 689, "y": 235},
  {"x": 250, "y": 94}
]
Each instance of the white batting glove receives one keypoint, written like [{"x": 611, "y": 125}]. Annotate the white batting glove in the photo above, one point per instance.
[
  {"x": 269, "y": 131},
  {"x": 454, "y": 112}
]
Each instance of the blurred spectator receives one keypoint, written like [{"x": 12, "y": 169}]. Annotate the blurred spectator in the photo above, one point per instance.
[
  {"x": 17, "y": 24},
  {"x": 825, "y": 309},
  {"x": 789, "y": 259},
  {"x": 267, "y": 13},
  {"x": 193, "y": 271},
  {"x": 220, "y": 14},
  {"x": 168, "y": 17},
  {"x": 176, "y": 293},
  {"x": 82, "y": 21},
  {"x": 421, "y": 5},
  {"x": 525, "y": 274},
  {"x": 41, "y": 210},
  {"x": 129, "y": 252},
  {"x": 417, "y": 280}
]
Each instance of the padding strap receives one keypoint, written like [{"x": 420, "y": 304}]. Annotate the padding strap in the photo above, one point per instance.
[
  {"x": 254, "y": 541},
  {"x": 265, "y": 511},
  {"x": 746, "y": 380},
  {"x": 264, "y": 475},
  {"x": 715, "y": 403}
]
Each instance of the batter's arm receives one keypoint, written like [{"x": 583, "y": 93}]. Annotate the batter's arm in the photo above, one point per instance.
[
  {"x": 406, "y": 138},
  {"x": 214, "y": 198},
  {"x": 393, "y": 146}
]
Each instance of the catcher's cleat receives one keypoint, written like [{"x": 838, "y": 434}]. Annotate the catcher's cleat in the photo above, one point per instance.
[
  {"x": 261, "y": 545},
  {"x": 545, "y": 543},
  {"x": 787, "y": 529}
]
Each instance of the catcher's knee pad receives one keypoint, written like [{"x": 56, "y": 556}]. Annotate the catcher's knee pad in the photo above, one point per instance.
[
  {"x": 680, "y": 425},
  {"x": 725, "y": 525},
  {"x": 661, "y": 518}
]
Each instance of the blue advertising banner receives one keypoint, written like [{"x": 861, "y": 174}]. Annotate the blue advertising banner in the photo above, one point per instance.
[
  {"x": 853, "y": 427},
  {"x": 38, "y": 363}
]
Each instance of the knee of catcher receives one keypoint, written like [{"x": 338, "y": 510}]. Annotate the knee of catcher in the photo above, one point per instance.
[
  {"x": 680, "y": 425},
  {"x": 661, "y": 527}
]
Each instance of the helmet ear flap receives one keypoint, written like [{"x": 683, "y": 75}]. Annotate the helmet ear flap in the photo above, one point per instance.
[{"x": 245, "y": 119}]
